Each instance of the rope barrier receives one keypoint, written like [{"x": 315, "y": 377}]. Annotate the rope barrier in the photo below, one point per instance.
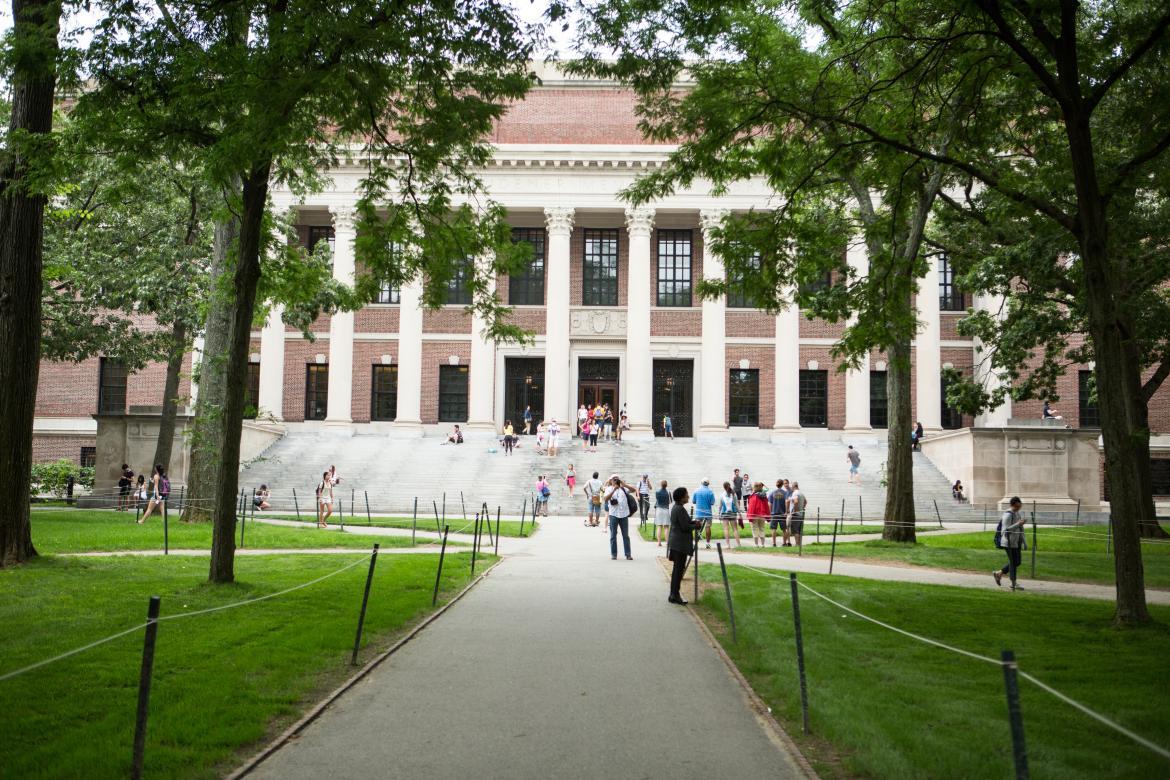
[{"x": 54, "y": 659}]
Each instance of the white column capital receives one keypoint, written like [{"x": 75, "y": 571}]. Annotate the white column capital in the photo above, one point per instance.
[
  {"x": 559, "y": 220},
  {"x": 639, "y": 221},
  {"x": 709, "y": 219},
  {"x": 344, "y": 218}
]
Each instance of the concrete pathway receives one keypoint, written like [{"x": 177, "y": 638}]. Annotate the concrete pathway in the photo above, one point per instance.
[{"x": 561, "y": 663}]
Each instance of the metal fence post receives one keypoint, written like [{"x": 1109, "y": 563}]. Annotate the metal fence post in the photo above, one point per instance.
[
  {"x": 497, "y": 550},
  {"x": 727, "y": 590},
  {"x": 445, "y": 506},
  {"x": 474, "y": 544},
  {"x": 698, "y": 534},
  {"x": 1109, "y": 535},
  {"x": 463, "y": 505},
  {"x": 365, "y": 600},
  {"x": 182, "y": 495},
  {"x": 799, "y": 654},
  {"x": 1011, "y": 684},
  {"x": 1077, "y": 519},
  {"x": 1033, "y": 545},
  {"x": 818, "y": 525},
  {"x": 860, "y": 514},
  {"x": 438, "y": 526},
  {"x": 833, "y": 552},
  {"x": 296, "y": 506},
  {"x": 523, "y": 512},
  {"x": 936, "y": 513},
  {"x": 439, "y": 576},
  {"x": 166, "y": 530},
  {"x": 144, "y": 678},
  {"x": 243, "y": 523},
  {"x": 366, "y": 493}
]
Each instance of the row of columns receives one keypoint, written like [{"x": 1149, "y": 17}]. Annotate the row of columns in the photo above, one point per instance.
[{"x": 560, "y": 399}]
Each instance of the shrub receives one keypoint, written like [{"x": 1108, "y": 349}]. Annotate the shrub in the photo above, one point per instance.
[{"x": 54, "y": 477}]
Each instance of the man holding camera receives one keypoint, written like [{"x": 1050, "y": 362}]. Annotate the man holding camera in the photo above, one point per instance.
[{"x": 620, "y": 502}]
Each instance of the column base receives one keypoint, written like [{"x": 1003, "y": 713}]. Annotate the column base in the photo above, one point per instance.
[
  {"x": 341, "y": 426},
  {"x": 480, "y": 431},
  {"x": 638, "y": 434},
  {"x": 788, "y": 434},
  {"x": 406, "y": 429}
]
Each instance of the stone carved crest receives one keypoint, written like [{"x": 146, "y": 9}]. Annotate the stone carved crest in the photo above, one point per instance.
[{"x": 597, "y": 323}]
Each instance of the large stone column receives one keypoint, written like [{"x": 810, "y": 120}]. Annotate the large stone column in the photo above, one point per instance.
[
  {"x": 639, "y": 390},
  {"x": 408, "y": 418},
  {"x": 713, "y": 367},
  {"x": 788, "y": 366},
  {"x": 271, "y": 398},
  {"x": 558, "y": 396},
  {"x": 481, "y": 378},
  {"x": 341, "y": 324},
  {"x": 998, "y": 417},
  {"x": 927, "y": 358},
  {"x": 857, "y": 380}
]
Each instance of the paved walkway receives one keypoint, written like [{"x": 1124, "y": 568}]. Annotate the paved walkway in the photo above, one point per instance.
[{"x": 561, "y": 663}]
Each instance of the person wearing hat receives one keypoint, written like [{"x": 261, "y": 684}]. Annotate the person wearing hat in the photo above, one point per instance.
[
  {"x": 680, "y": 545},
  {"x": 704, "y": 503},
  {"x": 644, "y": 491},
  {"x": 617, "y": 500}
]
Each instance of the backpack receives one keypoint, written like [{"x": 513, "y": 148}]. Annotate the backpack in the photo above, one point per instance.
[
  {"x": 164, "y": 486},
  {"x": 997, "y": 540},
  {"x": 631, "y": 502},
  {"x": 545, "y": 492}
]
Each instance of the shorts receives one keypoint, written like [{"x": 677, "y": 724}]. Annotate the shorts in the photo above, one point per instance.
[
  {"x": 594, "y": 509},
  {"x": 661, "y": 515},
  {"x": 796, "y": 524},
  {"x": 326, "y": 501},
  {"x": 778, "y": 522},
  {"x": 853, "y": 469},
  {"x": 706, "y": 521},
  {"x": 729, "y": 517}
]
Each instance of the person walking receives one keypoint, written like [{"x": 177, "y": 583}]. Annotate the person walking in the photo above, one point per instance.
[
  {"x": 668, "y": 427},
  {"x": 527, "y": 420},
  {"x": 729, "y": 514},
  {"x": 662, "y": 514},
  {"x": 324, "y": 500},
  {"x": 796, "y": 504},
  {"x": 620, "y": 503},
  {"x": 644, "y": 490},
  {"x": 571, "y": 479},
  {"x": 509, "y": 440},
  {"x": 594, "y": 430},
  {"x": 854, "y": 459},
  {"x": 680, "y": 544},
  {"x": 543, "y": 492},
  {"x": 160, "y": 487},
  {"x": 1012, "y": 539},
  {"x": 593, "y": 500},
  {"x": 757, "y": 513},
  {"x": 586, "y": 426},
  {"x": 704, "y": 504},
  {"x": 778, "y": 501},
  {"x": 608, "y": 423}
]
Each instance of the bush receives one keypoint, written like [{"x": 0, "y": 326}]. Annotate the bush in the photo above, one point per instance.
[{"x": 54, "y": 477}]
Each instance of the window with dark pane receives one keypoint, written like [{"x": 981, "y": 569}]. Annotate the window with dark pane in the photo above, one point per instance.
[
  {"x": 814, "y": 398},
  {"x": 879, "y": 406},
  {"x": 1090, "y": 414},
  {"x": 951, "y": 418},
  {"x": 822, "y": 282},
  {"x": 384, "y": 393},
  {"x": 316, "y": 391},
  {"x": 459, "y": 285},
  {"x": 88, "y": 457},
  {"x": 744, "y": 397},
  {"x": 319, "y": 233},
  {"x": 1159, "y": 477},
  {"x": 389, "y": 293},
  {"x": 452, "y": 393},
  {"x": 950, "y": 297},
  {"x": 739, "y": 295},
  {"x": 527, "y": 287},
  {"x": 599, "y": 278},
  {"x": 111, "y": 387},
  {"x": 674, "y": 267},
  {"x": 252, "y": 392}
]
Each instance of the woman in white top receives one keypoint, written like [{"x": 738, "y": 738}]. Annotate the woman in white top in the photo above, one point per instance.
[
  {"x": 324, "y": 500},
  {"x": 729, "y": 514},
  {"x": 554, "y": 438}
]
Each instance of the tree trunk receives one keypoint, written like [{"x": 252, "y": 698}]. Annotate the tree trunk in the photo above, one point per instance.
[
  {"x": 22, "y": 210},
  {"x": 206, "y": 429},
  {"x": 170, "y": 398},
  {"x": 245, "y": 281},
  {"x": 899, "y": 512}
]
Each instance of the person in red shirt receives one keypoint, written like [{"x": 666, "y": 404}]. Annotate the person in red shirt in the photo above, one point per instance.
[{"x": 758, "y": 511}]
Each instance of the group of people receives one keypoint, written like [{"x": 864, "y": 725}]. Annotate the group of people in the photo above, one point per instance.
[
  {"x": 329, "y": 480},
  {"x": 598, "y": 423},
  {"x": 153, "y": 495},
  {"x": 780, "y": 510}
]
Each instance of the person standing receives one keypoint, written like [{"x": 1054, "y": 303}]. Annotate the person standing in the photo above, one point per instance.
[
  {"x": 586, "y": 427},
  {"x": 1011, "y": 539},
  {"x": 509, "y": 441},
  {"x": 554, "y": 438},
  {"x": 594, "y": 429},
  {"x": 582, "y": 416},
  {"x": 854, "y": 459},
  {"x": 778, "y": 500},
  {"x": 608, "y": 423},
  {"x": 593, "y": 498},
  {"x": 527, "y": 420},
  {"x": 916, "y": 436},
  {"x": 757, "y": 513},
  {"x": 324, "y": 500},
  {"x": 680, "y": 544},
  {"x": 543, "y": 492},
  {"x": 125, "y": 485},
  {"x": 668, "y": 427},
  {"x": 661, "y": 514},
  {"x": 796, "y": 504},
  {"x": 571, "y": 479},
  {"x": 737, "y": 486},
  {"x": 618, "y": 500},
  {"x": 729, "y": 514},
  {"x": 747, "y": 490},
  {"x": 644, "y": 490},
  {"x": 704, "y": 503}
]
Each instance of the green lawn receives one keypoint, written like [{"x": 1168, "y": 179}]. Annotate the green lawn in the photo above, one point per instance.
[
  {"x": 223, "y": 681},
  {"x": 100, "y": 530},
  {"x": 1071, "y": 554},
  {"x": 508, "y": 528},
  {"x": 745, "y": 533},
  {"x": 884, "y": 705}
]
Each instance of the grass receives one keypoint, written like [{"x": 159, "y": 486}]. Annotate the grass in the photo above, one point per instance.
[
  {"x": 1065, "y": 554},
  {"x": 223, "y": 682},
  {"x": 508, "y": 528},
  {"x": 745, "y": 533},
  {"x": 884, "y": 705},
  {"x": 98, "y": 530}
]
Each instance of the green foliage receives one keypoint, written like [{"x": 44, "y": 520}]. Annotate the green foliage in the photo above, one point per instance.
[{"x": 53, "y": 478}]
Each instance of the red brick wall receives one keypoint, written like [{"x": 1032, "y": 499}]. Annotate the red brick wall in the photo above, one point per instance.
[
  {"x": 761, "y": 357},
  {"x": 435, "y": 354},
  {"x": 319, "y": 325},
  {"x": 949, "y": 326},
  {"x": 47, "y": 449},
  {"x": 964, "y": 361},
  {"x": 747, "y": 323},
  {"x": 365, "y": 355},
  {"x": 448, "y": 319},
  {"x": 820, "y": 329},
  {"x": 145, "y": 387},
  {"x": 602, "y": 115},
  {"x": 836, "y": 382},
  {"x": 298, "y": 354},
  {"x": 68, "y": 389},
  {"x": 534, "y": 319},
  {"x": 376, "y": 319},
  {"x": 676, "y": 322}
]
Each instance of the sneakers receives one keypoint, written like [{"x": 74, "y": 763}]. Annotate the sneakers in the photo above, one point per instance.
[
  {"x": 629, "y": 557},
  {"x": 1017, "y": 587},
  {"x": 998, "y": 576},
  {"x": 677, "y": 600}
]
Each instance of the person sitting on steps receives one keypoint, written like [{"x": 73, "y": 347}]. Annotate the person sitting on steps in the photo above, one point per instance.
[{"x": 455, "y": 436}]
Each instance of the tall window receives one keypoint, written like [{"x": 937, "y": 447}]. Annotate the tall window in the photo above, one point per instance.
[
  {"x": 950, "y": 297},
  {"x": 739, "y": 295},
  {"x": 389, "y": 293},
  {"x": 384, "y": 393},
  {"x": 674, "y": 267},
  {"x": 111, "y": 387},
  {"x": 316, "y": 391},
  {"x": 88, "y": 457},
  {"x": 814, "y": 398},
  {"x": 879, "y": 408},
  {"x": 317, "y": 234},
  {"x": 951, "y": 418},
  {"x": 459, "y": 285},
  {"x": 252, "y": 392},
  {"x": 452, "y": 393},
  {"x": 744, "y": 397},
  {"x": 527, "y": 287},
  {"x": 1090, "y": 414},
  {"x": 600, "y": 267}
]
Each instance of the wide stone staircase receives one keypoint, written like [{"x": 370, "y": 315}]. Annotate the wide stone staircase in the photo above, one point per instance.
[{"x": 392, "y": 473}]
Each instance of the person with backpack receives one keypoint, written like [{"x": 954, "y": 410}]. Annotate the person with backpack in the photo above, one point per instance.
[
  {"x": 160, "y": 489},
  {"x": 593, "y": 498},
  {"x": 324, "y": 500},
  {"x": 644, "y": 491},
  {"x": 620, "y": 503},
  {"x": 796, "y": 505},
  {"x": 778, "y": 499},
  {"x": 1010, "y": 537},
  {"x": 543, "y": 492}
]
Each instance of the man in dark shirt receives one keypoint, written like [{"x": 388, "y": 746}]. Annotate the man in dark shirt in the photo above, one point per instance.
[{"x": 681, "y": 543}]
